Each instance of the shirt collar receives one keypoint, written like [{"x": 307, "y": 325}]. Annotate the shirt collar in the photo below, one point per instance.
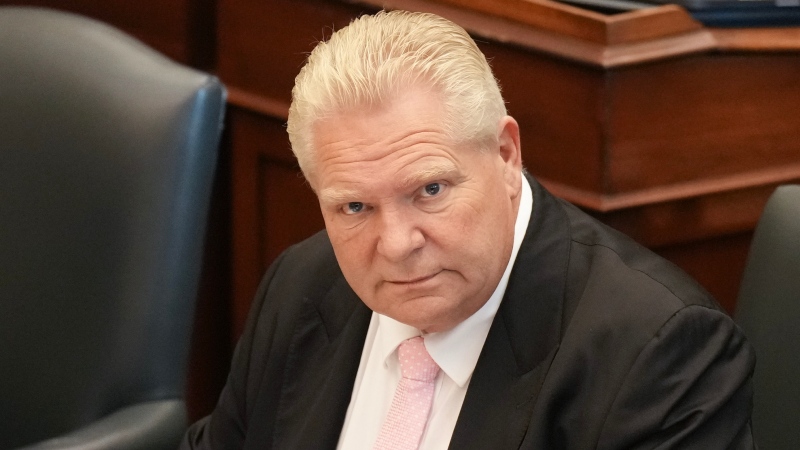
[{"x": 456, "y": 351}]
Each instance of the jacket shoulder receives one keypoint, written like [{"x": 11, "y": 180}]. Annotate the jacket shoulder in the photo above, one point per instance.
[{"x": 606, "y": 258}]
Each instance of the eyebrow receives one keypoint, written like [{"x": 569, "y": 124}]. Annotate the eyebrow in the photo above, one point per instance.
[
  {"x": 337, "y": 196},
  {"x": 439, "y": 170}
]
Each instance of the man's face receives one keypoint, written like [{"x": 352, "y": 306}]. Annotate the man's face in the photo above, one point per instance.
[{"x": 422, "y": 228}]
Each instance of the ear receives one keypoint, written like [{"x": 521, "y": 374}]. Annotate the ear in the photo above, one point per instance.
[{"x": 511, "y": 154}]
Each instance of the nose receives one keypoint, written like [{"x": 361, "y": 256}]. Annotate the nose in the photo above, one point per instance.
[{"x": 399, "y": 235}]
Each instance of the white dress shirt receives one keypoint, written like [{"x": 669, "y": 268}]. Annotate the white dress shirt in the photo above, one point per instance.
[{"x": 456, "y": 351}]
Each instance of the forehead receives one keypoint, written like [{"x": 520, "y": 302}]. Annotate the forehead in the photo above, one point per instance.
[{"x": 405, "y": 129}]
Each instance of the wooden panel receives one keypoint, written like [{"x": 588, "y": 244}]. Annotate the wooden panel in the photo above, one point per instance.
[
  {"x": 691, "y": 219},
  {"x": 181, "y": 29},
  {"x": 273, "y": 207},
  {"x": 572, "y": 33},
  {"x": 290, "y": 209},
  {"x": 701, "y": 118},
  {"x": 264, "y": 44},
  {"x": 248, "y": 136},
  {"x": 758, "y": 39},
  {"x": 584, "y": 24},
  {"x": 563, "y": 19}
]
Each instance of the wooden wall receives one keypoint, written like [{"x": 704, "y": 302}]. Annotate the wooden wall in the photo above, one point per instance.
[{"x": 669, "y": 131}]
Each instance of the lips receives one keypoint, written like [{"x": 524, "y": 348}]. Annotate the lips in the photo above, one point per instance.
[{"x": 417, "y": 280}]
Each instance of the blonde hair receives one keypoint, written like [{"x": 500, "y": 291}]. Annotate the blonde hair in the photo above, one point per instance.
[{"x": 374, "y": 58}]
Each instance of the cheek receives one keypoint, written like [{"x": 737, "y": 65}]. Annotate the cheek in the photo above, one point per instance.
[
  {"x": 478, "y": 235},
  {"x": 475, "y": 219},
  {"x": 352, "y": 253}
]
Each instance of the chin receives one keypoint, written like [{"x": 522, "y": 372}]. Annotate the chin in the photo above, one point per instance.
[{"x": 430, "y": 318}]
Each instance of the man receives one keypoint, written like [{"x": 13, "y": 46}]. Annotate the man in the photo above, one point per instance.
[{"x": 541, "y": 327}]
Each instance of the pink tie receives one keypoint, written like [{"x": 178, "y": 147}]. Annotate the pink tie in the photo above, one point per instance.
[{"x": 412, "y": 400}]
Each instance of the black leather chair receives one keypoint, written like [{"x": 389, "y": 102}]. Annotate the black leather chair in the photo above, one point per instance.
[
  {"x": 768, "y": 309},
  {"x": 107, "y": 155}
]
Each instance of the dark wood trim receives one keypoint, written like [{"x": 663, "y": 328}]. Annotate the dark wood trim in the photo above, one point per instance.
[
  {"x": 591, "y": 38},
  {"x": 757, "y": 39},
  {"x": 257, "y": 103},
  {"x": 685, "y": 190}
]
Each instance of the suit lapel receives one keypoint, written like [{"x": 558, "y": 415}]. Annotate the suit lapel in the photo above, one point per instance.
[
  {"x": 320, "y": 372},
  {"x": 523, "y": 338}
]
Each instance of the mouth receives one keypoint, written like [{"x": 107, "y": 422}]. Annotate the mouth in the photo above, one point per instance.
[{"x": 414, "y": 281}]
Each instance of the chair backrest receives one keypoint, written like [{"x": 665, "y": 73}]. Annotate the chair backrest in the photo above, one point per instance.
[
  {"x": 107, "y": 156},
  {"x": 768, "y": 309}
]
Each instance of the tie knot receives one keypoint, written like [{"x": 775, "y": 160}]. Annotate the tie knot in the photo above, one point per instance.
[{"x": 415, "y": 361}]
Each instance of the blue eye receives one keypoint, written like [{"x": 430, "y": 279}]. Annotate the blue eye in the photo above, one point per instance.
[
  {"x": 353, "y": 208},
  {"x": 432, "y": 189}
]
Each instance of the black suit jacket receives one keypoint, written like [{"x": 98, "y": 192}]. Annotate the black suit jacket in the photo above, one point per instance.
[{"x": 598, "y": 344}]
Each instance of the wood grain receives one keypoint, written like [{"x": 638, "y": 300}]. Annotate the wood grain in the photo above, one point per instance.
[{"x": 181, "y": 29}]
